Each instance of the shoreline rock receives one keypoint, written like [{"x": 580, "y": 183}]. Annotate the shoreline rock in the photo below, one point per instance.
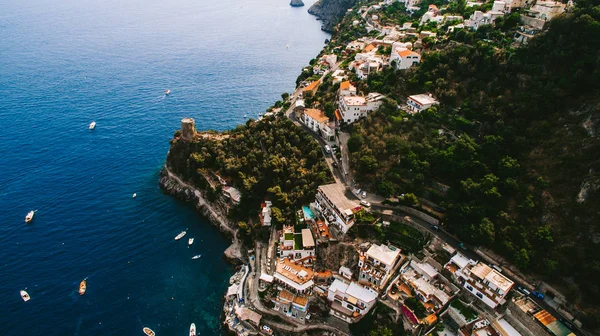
[
  {"x": 330, "y": 12},
  {"x": 296, "y": 3},
  {"x": 172, "y": 185}
]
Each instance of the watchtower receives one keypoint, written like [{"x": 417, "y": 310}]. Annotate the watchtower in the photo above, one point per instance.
[{"x": 188, "y": 128}]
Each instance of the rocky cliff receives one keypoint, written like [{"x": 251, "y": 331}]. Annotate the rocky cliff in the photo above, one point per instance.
[
  {"x": 296, "y": 3},
  {"x": 214, "y": 212},
  {"x": 330, "y": 11}
]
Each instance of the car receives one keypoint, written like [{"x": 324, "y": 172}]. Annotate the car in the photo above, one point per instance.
[
  {"x": 538, "y": 295},
  {"x": 365, "y": 203},
  {"x": 327, "y": 149},
  {"x": 524, "y": 291},
  {"x": 462, "y": 246},
  {"x": 364, "y": 194},
  {"x": 267, "y": 329},
  {"x": 434, "y": 227},
  {"x": 357, "y": 192}
]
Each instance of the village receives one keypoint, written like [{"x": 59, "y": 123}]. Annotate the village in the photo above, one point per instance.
[{"x": 434, "y": 285}]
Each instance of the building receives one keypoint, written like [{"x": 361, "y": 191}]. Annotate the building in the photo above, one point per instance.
[
  {"x": 479, "y": 18},
  {"x": 295, "y": 306},
  {"x": 296, "y": 246},
  {"x": 404, "y": 58},
  {"x": 376, "y": 264},
  {"x": 319, "y": 123},
  {"x": 339, "y": 76},
  {"x": 232, "y": 194},
  {"x": 347, "y": 89},
  {"x": 487, "y": 284},
  {"x": 335, "y": 207},
  {"x": 345, "y": 272},
  {"x": 420, "y": 102},
  {"x": 311, "y": 88},
  {"x": 294, "y": 276},
  {"x": 265, "y": 213},
  {"x": 350, "y": 301},
  {"x": 352, "y": 108},
  {"x": 542, "y": 12}
]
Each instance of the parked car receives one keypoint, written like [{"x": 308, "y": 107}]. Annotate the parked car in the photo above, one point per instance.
[
  {"x": 365, "y": 203},
  {"x": 539, "y": 295},
  {"x": 327, "y": 149},
  {"x": 434, "y": 227},
  {"x": 357, "y": 192},
  {"x": 524, "y": 291},
  {"x": 335, "y": 164},
  {"x": 364, "y": 194},
  {"x": 267, "y": 329}
]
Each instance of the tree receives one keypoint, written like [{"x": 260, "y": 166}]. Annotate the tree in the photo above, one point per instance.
[
  {"x": 386, "y": 188},
  {"x": 285, "y": 96},
  {"x": 368, "y": 164},
  {"x": 355, "y": 142},
  {"x": 382, "y": 331},
  {"x": 411, "y": 199}
]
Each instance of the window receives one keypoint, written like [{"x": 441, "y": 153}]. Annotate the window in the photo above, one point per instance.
[
  {"x": 479, "y": 295},
  {"x": 470, "y": 288}
]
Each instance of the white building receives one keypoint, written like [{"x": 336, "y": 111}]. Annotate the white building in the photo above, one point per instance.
[
  {"x": 265, "y": 213},
  {"x": 350, "y": 301},
  {"x": 404, "y": 58},
  {"x": 353, "y": 108},
  {"x": 347, "y": 89},
  {"x": 546, "y": 10},
  {"x": 376, "y": 264},
  {"x": 335, "y": 207},
  {"x": 430, "y": 287},
  {"x": 487, "y": 284},
  {"x": 339, "y": 76},
  {"x": 479, "y": 18},
  {"x": 296, "y": 246},
  {"x": 420, "y": 102},
  {"x": 295, "y": 306},
  {"x": 319, "y": 123}
]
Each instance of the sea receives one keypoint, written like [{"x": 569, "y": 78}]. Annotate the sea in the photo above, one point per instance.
[{"x": 66, "y": 63}]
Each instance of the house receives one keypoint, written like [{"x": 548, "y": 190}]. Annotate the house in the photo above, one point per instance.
[
  {"x": 232, "y": 194},
  {"x": 295, "y": 306},
  {"x": 542, "y": 12},
  {"x": 312, "y": 88},
  {"x": 404, "y": 58},
  {"x": 294, "y": 275},
  {"x": 347, "y": 89},
  {"x": 350, "y": 301},
  {"x": 296, "y": 246},
  {"x": 411, "y": 5},
  {"x": 265, "y": 213},
  {"x": 335, "y": 207},
  {"x": 376, "y": 264},
  {"x": 479, "y": 18},
  {"x": 339, "y": 76},
  {"x": 355, "y": 46},
  {"x": 420, "y": 102},
  {"x": 478, "y": 327},
  {"x": 353, "y": 108},
  {"x": 319, "y": 123},
  {"x": 487, "y": 284},
  {"x": 345, "y": 272}
]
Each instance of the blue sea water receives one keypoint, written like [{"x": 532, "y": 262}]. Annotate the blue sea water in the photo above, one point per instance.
[{"x": 64, "y": 63}]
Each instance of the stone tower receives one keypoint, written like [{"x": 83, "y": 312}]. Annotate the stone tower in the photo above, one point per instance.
[{"x": 188, "y": 128}]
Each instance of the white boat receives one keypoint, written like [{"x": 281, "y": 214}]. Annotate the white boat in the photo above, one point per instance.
[
  {"x": 92, "y": 125},
  {"x": 148, "y": 331},
  {"x": 179, "y": 236},
  {"x": 197, "y": 256},
  {"x": 134, "y": 195},
  {"x": 167, "y": 92},
  {"x": 25, "y": 296},
  {"x": 29, "y": 216},
  {"x": 192, "y": 330},
  {"x": 190, "y": 241}
]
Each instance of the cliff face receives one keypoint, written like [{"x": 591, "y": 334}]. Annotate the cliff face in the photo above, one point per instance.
[
  {"x": 296, "y": 3},
  {"x": 330, "y": 11}
]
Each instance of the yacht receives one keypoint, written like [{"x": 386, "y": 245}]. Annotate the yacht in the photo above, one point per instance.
[
  {"x": 29, "y": 216},
  {"x": 92, "y": 125},
  {"x": 197, "y": 256},
  {"x": 192, "y": 330},
  {"x": 180, "y": 235},
  {"x": 190, "y": 241}
]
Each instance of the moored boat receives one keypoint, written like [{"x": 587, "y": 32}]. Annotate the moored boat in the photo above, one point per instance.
[
  {"x": 25, "y": 296},
  {"x": 180, "y": 235},
  {"x": 190, "y": 241},
  {"x": 29, "y": 216},
  {"x": 92, "y": 125},
  {"x": 197, "y": 256},
  {"x": 82, "y": 287},
  {"x": 192, "y": 330},
  {"x": 149, "y": 331}
]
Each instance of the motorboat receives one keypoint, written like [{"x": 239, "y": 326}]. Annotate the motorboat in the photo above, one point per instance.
[
  {"x": 197, "y": 256},
  {"x": 82, "y": 287},
  {"x": 192, "y": 330},
  {"x": 92, "y": 125},
  {"x": 134, "y": 195},
  {"x": 180, "y": 235},
  {"x": 149, "y": 331},
  {"x": 167, "y": 92},
  {"x": 29, "y": 216},
  {"x": 190, "y": 241},
  {"x": 25, "y": 296}
]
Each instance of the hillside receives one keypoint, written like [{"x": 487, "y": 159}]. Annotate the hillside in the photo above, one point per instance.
[
  {"x": 516, "y": 140},
  {"x": 330, "y": 11},
  {"x": 272, "y": 158}
]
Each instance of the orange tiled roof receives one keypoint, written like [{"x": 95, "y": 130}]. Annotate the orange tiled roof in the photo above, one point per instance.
[
  {"x": 370, "y": 47},
  {"x": 313, "y": 86},
  {"x": 345, "y": 85},
  {"x": 317, "y": 115},
  {"x": 286, "y": 295},
  {"x": 406, "y": 52},
  {"x": 300, "y": 300},
  {"x": 338, "y": 116}
]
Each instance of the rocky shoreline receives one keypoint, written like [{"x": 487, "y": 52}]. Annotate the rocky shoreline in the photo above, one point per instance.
[
  {"x": 330, "y": 12},
  {"x": 215, "y": 212}
]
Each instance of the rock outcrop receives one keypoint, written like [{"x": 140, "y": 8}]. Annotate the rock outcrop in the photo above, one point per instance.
[
  {"x": 296, "y": 3},
  {"x": 330, "y": 11},
  {"x": 214, "y": 212}
]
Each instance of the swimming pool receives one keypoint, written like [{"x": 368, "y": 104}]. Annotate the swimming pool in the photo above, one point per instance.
[{"x": 308, "y": 214}]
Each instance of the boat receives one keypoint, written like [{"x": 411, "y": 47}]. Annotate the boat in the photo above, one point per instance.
[
  {"x": 192, "y": 330},
  {"x": 29, "y": 216},
  {"x": 25, "y": 296},
  {"x": 190, "y": 241},
  {"x": 149, "y": 331},
  {"x": 167, "y": 92},
  {"x": 92, "y": 125},
  {"x": 134, "y": 195},
  {"x": 179, "y": 236},
  {"x": 82, "y": 287},
  {"x": 197, "y": 256}
]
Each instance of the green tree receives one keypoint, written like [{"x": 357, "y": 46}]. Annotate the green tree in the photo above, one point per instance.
[{"x": 381, "y": 331}]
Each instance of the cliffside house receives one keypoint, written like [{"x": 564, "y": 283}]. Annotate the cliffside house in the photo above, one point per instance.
[
  {"x": 296, "y": 246},
  {"x": 376, "y": 265},
  {"x": 335, "y": 207},
  {"x": 232, "y": 194},
  {"x": 487, "y": 284},
  {"x": 265, "y": 213},
  {"x": 294, "y": 276},
  {"x": 352, "y": 108},
  {"x": 311, "y": 88},
  {"x": 319, "y": 123},
  {"x": 347, "y": 89},
  {"x": 404, "y": 58},
  {"x": 295, "y": 306},
  {"x": 479, "y": 18},
  {"x": 350, "y": 301},
  {"x": 420, "y": 102}
]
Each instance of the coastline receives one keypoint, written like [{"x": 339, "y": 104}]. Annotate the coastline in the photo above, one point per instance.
[{"x": 172, "y": 184}]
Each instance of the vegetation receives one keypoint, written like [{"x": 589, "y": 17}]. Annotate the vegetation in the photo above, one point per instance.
[
  {"x": 513, "y": 139},
  {"x": 416, "y": 306},
  {"x": 272, "y": 158},
  {"x": 410, "y": 240},
  {"x": 466, "y": 311},
  {"x": 379, "y": 322}
]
